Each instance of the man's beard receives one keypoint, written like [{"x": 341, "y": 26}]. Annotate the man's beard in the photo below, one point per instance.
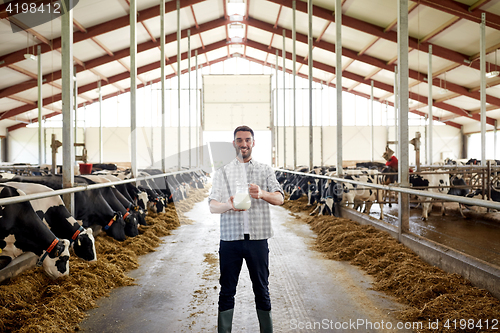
[{"x": 242, "y": 155}]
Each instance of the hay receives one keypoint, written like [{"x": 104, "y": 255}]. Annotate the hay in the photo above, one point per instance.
[
  {"x": 429, "y": 293},
  {"x": 32, "y": 302}
]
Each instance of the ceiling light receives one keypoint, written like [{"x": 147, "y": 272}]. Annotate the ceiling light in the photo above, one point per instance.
[
  {"x": 489, "y": 75},
  {"x": 443, "y": 91},
  {"x": 30, "y": 56}
]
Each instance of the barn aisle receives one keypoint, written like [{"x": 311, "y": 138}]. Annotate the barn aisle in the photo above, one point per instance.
[{"x": 177, "y": 286}]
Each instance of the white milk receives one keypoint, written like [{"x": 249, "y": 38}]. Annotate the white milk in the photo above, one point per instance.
[{"x": 242, "y": 201}]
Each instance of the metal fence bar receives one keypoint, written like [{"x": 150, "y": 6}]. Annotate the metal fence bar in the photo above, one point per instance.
[
  {"x": 81, "y": 188},
  {"x": 397, "y": 188}
]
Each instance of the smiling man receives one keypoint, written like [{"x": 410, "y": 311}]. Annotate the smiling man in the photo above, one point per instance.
[{"x": 244, "y": 233}]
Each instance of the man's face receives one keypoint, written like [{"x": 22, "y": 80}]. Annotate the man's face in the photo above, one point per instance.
[{"x": 243, "y": 144}]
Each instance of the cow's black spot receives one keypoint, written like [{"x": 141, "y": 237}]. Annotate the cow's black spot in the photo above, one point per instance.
[
  {"x": 61, "y": 264},
  {"x": 4, "y": 261}
]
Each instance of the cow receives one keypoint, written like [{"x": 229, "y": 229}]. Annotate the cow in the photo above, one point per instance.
[
  {"x": 123, "y": 196},
  {"x": 90, "y": 206},
  {"x": 356, "y": 195},
  {"x": 330, "y": 193},
  {"x": 21, "y": 230},
  {"x": 436, "y": 183},
  {"x": 136, "y": 195},
  {"x": 131, "y": 223},
  {"x": 53, "y": 213}
]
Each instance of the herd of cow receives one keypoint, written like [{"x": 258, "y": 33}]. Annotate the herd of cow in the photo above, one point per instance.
[
  {"x": 46, "y": 228},
  {"x": 328, "y": 194}
]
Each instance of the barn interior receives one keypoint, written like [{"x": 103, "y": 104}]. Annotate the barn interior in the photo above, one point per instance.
[{"x": 162, "y": 84}]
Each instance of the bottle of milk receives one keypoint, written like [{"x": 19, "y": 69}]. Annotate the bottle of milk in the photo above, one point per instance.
[{"x": 242, "y": 196}]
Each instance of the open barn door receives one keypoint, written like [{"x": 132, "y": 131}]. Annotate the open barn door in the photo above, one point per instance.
[{"x": 233, "y": 100}]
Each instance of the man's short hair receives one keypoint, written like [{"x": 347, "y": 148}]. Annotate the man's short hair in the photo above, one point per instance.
[{"x": 243, "y": 128}]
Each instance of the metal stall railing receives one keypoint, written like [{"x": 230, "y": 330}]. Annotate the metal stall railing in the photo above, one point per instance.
[
  {"x": 481, "y": 274},
  {"x": 397, "y": 188},
  {"x": 80, "y": 188}
]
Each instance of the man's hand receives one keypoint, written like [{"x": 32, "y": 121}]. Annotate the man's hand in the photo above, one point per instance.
[
  {"x": 255, "y": 191},
  {"x": 231, "y": 202}
]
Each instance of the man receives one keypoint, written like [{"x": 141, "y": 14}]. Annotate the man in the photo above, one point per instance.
[{"x": 244, "y": 233}]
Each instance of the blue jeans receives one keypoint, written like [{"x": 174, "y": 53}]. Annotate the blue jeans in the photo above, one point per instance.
[{"x": 256, "y": 255}]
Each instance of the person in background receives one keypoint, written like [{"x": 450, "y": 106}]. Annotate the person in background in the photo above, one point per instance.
[
  {"x": 392, "y": 161},
  {"x": 244, "y": 232}
]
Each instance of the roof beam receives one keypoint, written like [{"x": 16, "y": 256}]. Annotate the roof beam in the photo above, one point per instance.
[
  {"x": 377, "y": 31},
  {"x": 111, "y": 79},
  {"x": 304, "y": 76},
  {"x": 478, "y": 4},
  {"x": 415, "y": 75},
  {"x": 47, "y": 78},
  {"x": 462, "y": 10},
  {"x": 377, "y": 84},
  {"x": 21, "y": 125},
  {"x": 98, "y": 29},
  {"x": 23, "y": 100}
]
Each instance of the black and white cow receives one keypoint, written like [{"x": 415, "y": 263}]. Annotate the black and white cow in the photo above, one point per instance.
[
  {"x": 138, "y": 197},
  {"x": 21, "y": 230},
  {"x": 437, "y": 183},
  {"x": 124, "y": 197},
  {"x": 52, "y": 211},
  {"x": 90, "y": 206},
  {"x": 355, "y": 195},
  {"x": 131, "y": 220},
  {"x": 329, "y": 195}
]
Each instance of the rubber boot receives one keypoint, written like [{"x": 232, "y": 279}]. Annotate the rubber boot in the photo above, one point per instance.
[
  {"x": 225, "y": 321},
  {"x": 265, "y": 321}
]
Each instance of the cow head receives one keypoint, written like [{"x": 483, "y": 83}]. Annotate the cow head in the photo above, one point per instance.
[
  {"x": 84, "y": 245},
  {"x": 116, "y": 227},
  {"x": 142, "y": 199},
  {"x": 55, "y": 262},
  {"x": 131, "y": 225}
]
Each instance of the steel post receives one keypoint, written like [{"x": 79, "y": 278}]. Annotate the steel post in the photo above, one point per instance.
[
  {"x": 403, "y": 141},
  {"x": 67, "y": 101},
  {"x": 338, "y": 81},
  {"x": 163, "y": 101},
  {"x": 482, "y": 91},
  {"x": 133, "y": 86},
  {"x": 429, "y": 103},
  {"x": 39, "y": 104}
]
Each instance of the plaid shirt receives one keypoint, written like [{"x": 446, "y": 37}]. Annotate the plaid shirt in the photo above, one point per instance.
[{"x": 259, "y": 216}]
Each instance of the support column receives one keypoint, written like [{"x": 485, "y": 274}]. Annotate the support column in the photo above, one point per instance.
[
  {"x": 429, "y": 103},
  {"x": 495, "y": 141},
  {"x": 198, "y": 129},
  {"x": 283, "y": 55},
  {"x": 310, "y": 63},
  {"x": 67, "y": 101},
  {"x": 163, "y": 102},
  {"x": 294, "y": 60},
  {"x": 100, "y": 121},
  {"x": 179, "y": 84},
  {"x": 403, "y": 141},
  {"x": 133, "y": 86},
  {"x": 396, "y": 108},
  {"x": 277, "y": 115},
  {"x": 189, "y": 93},
  {"x": 371, "y": 117},
  {"x": 75, "y": 105},
  {"x": 40, "y": 102},
  {"x": 338, "y": 81},
  {"x": 482, "y": 91}
]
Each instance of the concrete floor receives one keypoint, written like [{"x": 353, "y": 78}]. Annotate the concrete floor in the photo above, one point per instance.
[{"x": 177, "y": 286}]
